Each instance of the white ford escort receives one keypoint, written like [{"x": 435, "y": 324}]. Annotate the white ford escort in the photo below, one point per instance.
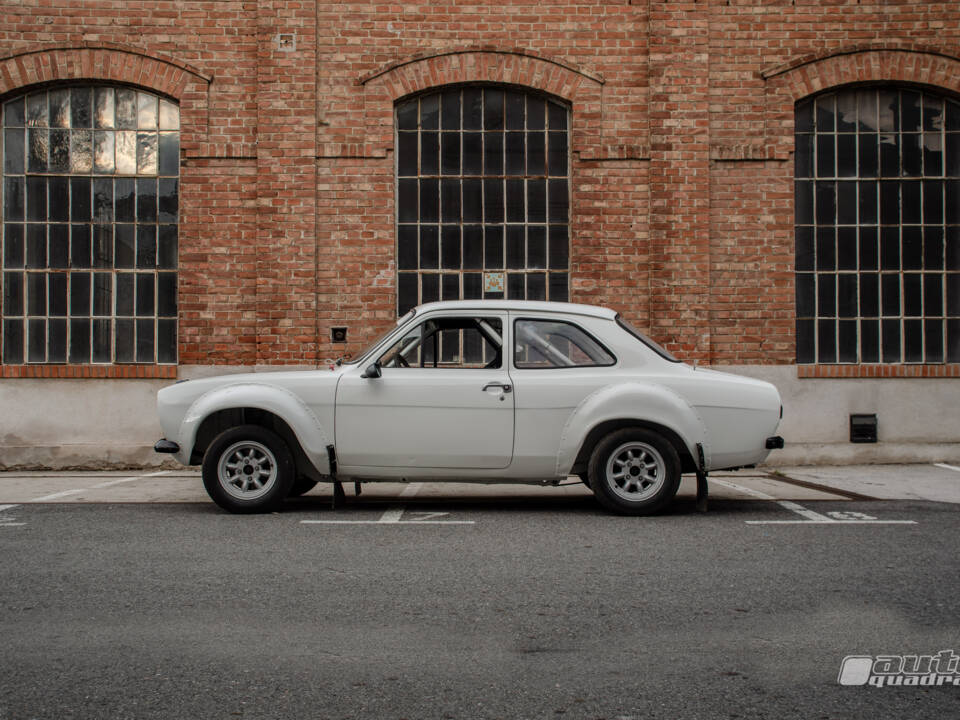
[{"x": 484, "y": 391}]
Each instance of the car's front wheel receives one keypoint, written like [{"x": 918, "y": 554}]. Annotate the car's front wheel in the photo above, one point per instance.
[
  {"x": 248, "y": 469},
  {"x": 634, "y": 472}
]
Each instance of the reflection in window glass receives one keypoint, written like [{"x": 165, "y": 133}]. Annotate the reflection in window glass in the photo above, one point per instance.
[
  {"x": 449, "y": 342},
  {"x": 877, "y": 215},
  {"x": 545, "y": 344},
  {"x": 90, "y": 178},
  {"x": 483, "y": 196}
]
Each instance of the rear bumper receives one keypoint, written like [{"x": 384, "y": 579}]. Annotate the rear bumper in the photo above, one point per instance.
[
  {"x": 166, "y": 446},
  {"x": 774, "y": 443}
]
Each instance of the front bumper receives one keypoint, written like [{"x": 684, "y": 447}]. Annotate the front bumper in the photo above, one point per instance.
[{"x": 166, "y": 446}]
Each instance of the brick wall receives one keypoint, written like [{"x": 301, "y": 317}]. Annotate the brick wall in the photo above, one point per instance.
[{"x": 681, "y": 144}]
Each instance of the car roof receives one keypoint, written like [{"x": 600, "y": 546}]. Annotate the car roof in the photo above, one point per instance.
[{"x": 520, "y": 306}]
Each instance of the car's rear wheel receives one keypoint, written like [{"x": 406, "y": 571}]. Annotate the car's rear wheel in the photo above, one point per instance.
[
  {"x": 248, "y": 469},
  {"x": 634, "y": 472}
]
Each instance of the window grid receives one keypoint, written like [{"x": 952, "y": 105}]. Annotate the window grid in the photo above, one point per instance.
[
  {"x": 90, "y": 212},
  {"x": 878, "y": 227},
  {"x": 482, "y": 196}
]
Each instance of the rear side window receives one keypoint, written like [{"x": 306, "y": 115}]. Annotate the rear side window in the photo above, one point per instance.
[{"x": 545, "y": 344}]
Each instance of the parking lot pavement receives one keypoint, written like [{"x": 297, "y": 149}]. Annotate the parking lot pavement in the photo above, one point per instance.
[
  {"x": 185, "y": 486},
  {"x": 935, "y": 482}
]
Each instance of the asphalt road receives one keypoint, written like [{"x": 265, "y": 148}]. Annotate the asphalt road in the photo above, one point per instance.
[{"x": 542, "y": 608}]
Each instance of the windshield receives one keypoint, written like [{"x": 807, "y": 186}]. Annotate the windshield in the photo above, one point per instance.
[
  {"x": 657, "y": 348},
  {"x": 369, "y": 349}
]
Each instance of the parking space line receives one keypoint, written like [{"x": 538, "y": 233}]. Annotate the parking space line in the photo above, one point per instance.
[
  {"x": 6, "y": 507},
  {"x": 947, "y": 467},
  {"x": 830, "y": 521},
  {"x": 387, "y": 522},
  {"x": 108, "y": 483},
  {"x": 803, "y": 512}
]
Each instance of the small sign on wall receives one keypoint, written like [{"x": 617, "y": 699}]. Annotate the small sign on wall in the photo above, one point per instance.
[{"x": 493, "y": 282}]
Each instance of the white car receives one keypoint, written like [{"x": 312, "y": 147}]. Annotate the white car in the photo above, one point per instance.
[{"x": 484, "y": 391}]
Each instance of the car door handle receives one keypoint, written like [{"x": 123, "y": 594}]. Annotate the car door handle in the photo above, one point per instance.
[{"x": 504, "y": 387}]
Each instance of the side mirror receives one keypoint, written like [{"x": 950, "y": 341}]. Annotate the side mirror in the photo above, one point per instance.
[{"x": 372, "y": 371}]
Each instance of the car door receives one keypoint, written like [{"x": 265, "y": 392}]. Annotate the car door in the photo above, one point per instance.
[{"x": 443, "y": 399}]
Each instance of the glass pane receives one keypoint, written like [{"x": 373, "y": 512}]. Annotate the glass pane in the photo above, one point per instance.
[
  {"x": 103, "y": 108},
  {"x": 80, "y": 246},
  {"x": 869, "y": 341},
  {"x": 36, "y": 198},
  {"x": 493, "y": 248},
  {"x": 910, "y": 111},
  {"x": 932, "y": 154},
  {"x": 430, "y": 153},
  {"x": 450, "y": 201},
  {"x": 146, "y": 111},
  {"x": 407, "y": 204},
  {"x": 13, "y": 198},
  {"x": 847, "y": 341},
  {"x": 13, "y": 246},
  {"x": 12, "y": 294},
  {"x": 103, "y": 246},
  {"x": 911, "y": 203},
  {"x": 407, "y": 247},
  {"x": 933, "y": 248},
  {"x": 557, "y": 154},
  {"x": 13, "y": 113},
  {"x": 38, "y": 151},
  {"x": 890, "y": 248},
  {"x": 166, "y": 341},
  {"x": 146, "y": 246},
  {"x": 57, "y": 294},
  {"x": 429, "y": 288},
  {"x": 429, "y": 247},
  {"x": 167, "y": 246},
  {"x": 473, "y": 247},
  {"x": 493, "y": 153},
  {"x": 472, "y": 200},
  {"x": 472, "y": 108},
  {"x": 516, "y": 201},
  {"x": 36, "y": 246},
  {"x": 36, "y": 341},
  {"x": 536, "y": 246},
  {"x": 407, "y": 149},
  {"x": 492, "y": 109},
  {"x": 933, "y": 340},
  {"x": 826, "y": 248},
  {"x": 13, "y": 151},
  {"x": 58, "y": 197},
  {"x": 60, "y": 151},
  {"x": 12, "y": 342},
  {"x": 407, "y": 114},
  {"x": 37, "y": 110},
  {"x": 932, "y": 295},
  {"x": 168, "y": 199},
  {"x": 146, "y": 200},
  {"x": 169, "y": 153},
  {"x": 125, "y": 341},
  {"x": 868, "y": 162},
  {"x": 430, "y": 112},
  {"x": 81, "y": 115},
  {"x": 146, "y": 294},
  {"x": 80, "y": 341},
  {"x": 516, "y": 286},
  {"x": 558, "y": 289},
  {"x": 537, "y": 286},
  {"x": 450, "y": 247},
  {"x": 429, "y": 200},
  {"x": 557, "y": 115},
  {"x": 493, "y": 201},
  {"x": 472, "y": 153},
  {"x": 826, "y": 341},
  {"x": 450, "y": 153},
  {"x": 126, "y": 109},
  {"x": 81, "y": 151},
  {"x": 102, "y": 340},
  {"x": 803, "y": 157},
  {"x": 103, "y": 200},
  {"x": 515, "y": 153},
  {"x": 847, "y": 248},
  {"x": 559, "y": 247},
  {"x": 826, "y": 296},
  {"x": 167, "y": 294},
  {"x": 103, "y": 293},
  {"x": 80, "y": 294},
  {"x": 125, "y": 199},
  {"x": 826, "y": 160},
  {"x": 36, "y": 294},
  {"x": 806, "y": 344},
  {"x": 803, "y": 202},
  {"x": 890, "y": 286},
  {"x": 912, "y": 247},
  {"x": 406, "y": 292},
  {"x": 450, "y": 110},
  {"x": 146, "y": 153},
  {"x": 515, "y": 247},
  {"x": 913, "y": 341},
  {"x": 103, "y": 152},
  {"x": 824, "y": 113},
  {"x": 80, "y": 199},
  {"x": 58, "y": 251}
]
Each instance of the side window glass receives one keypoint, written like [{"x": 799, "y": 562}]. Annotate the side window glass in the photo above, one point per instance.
[
  {"x": 454, "y": 342},
  {"x": 544, "y": 344}
]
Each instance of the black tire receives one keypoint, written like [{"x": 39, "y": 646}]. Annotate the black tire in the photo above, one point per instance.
[
  {"x": 248, "y": 469},
  {"x": 634, "y": 472},
  {"x": 301, "y": 486}
]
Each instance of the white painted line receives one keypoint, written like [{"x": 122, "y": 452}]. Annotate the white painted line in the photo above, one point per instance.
[
  {"x": 6, "y": 507},
  {"x": 947, "y": 467},
  {"x": 387, "y": 522},
  {"x": 803, "y": 512},
  {"x": 830, "y": 522},
  {"x": 65, "y": 493},
  {"x": 12, "y": 524},
  {"x": 740, "y": 488},
  {"x": 394, "y": 514},
  {"x": 108, "y": 483}
]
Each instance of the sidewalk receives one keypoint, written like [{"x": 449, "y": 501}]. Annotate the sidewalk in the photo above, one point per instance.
[{"x": 939, "y": 483}]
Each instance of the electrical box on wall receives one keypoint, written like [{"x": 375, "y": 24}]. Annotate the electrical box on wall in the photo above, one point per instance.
[
  {"x": 338, "y": 335},
  {"x": 863, "y": 428}
]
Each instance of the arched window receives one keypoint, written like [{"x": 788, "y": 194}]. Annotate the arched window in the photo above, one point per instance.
[
  {"x": 878, "y": 227},
  {"x": 482, "y": 196},
  {"x": 90, "y": 210}
]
